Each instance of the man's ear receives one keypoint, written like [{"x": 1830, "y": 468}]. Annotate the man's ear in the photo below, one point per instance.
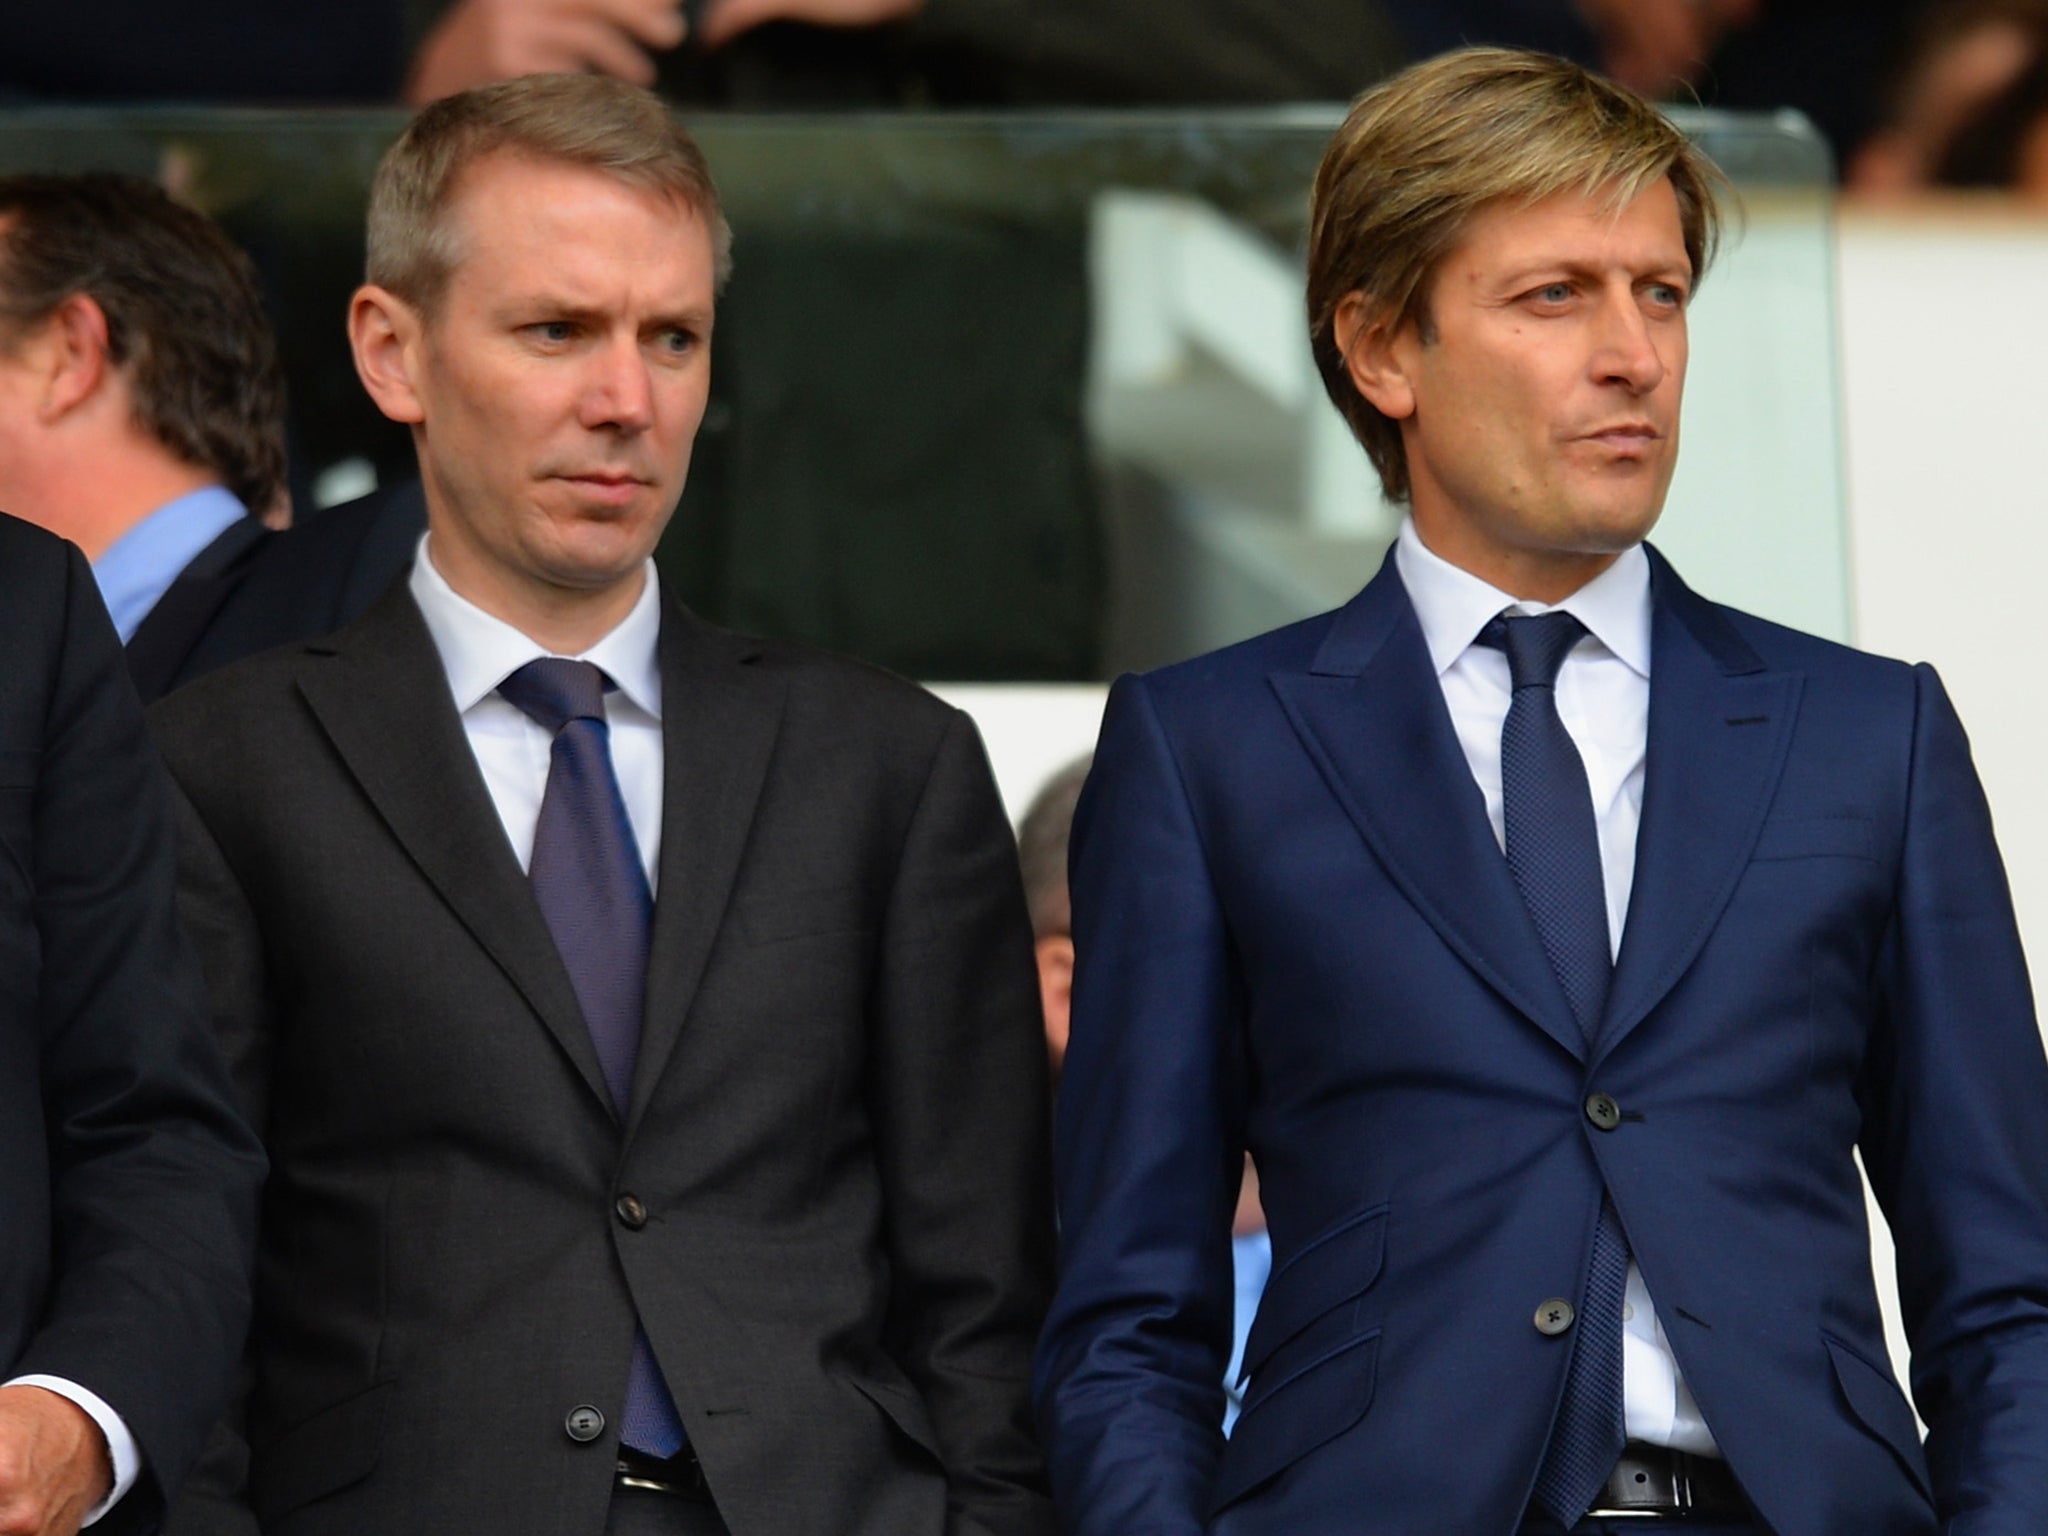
[
  {"x": 74, "y": 357},
  {"x": 1374, "y": 357},
  {"x": 385, "y": 334}
]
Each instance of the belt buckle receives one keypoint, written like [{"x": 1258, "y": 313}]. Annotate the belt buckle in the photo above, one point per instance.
[
  {"x": 1670, "y": 1497},
  {"x": 636, "y": 1474}
]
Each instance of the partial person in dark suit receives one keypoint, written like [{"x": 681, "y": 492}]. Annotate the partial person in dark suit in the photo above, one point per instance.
[
  {"x": 141, "y": 402},
  {"x": 1553, "y": 938},
  {"x": 127, "y": 1180},
  {"x": 641, "y": 1016}
]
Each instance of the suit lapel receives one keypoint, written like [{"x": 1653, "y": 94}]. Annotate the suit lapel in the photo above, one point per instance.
[
  {"x": 1720, "y": 727},
  {"x": 1371, "y": 714},
  {"x": 720, "y": 714},
  {"x": 380, "y": 694},
  {"x": 169, "y": 633}
]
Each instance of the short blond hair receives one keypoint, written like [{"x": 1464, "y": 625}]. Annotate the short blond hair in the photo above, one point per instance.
[
  {"x": 1425, "y": 151},
  {"x": 586, "y": 120}
]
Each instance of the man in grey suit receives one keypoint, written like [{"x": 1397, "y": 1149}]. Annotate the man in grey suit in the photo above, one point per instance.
[{"x": 641, "y": 1016}]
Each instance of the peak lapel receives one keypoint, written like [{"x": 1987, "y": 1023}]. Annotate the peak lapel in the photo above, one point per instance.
[
  {"x": 720, "y": 715},
  {"x": 1720, "y": 726},
  {"x": 1371, "y": 714},
  {"x": 382, "y": 698}
]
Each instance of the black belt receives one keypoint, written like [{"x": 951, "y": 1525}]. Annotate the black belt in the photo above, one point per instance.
[
  {"x": 1657, "y": 1480},
  {"x": 679, "y": 1476}
]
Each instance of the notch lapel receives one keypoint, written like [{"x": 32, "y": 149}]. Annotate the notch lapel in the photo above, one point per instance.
[
  {"x": 1720, "y": 728},
  {"x": 1371, "y": 714},
  {"x": 380, "y": 693},
  {"x": 720, "y": 716}
]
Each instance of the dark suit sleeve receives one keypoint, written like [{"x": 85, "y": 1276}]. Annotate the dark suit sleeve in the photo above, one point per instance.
[
  {"x": 1130, "y": 1371},
  {"x": 1956, "y": 1144},
  {"x": 154, "y": 1176},
  {"x": 957, "y": 1083},
  {"x": 216, "y": 913}
]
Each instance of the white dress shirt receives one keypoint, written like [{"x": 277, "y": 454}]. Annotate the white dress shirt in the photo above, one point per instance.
[
  {"x": 479, "y": 652},
  {"x": 1603, "y": 697}
]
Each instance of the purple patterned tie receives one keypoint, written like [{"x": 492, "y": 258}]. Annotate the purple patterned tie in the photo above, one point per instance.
[
  {"x": 592, "y": 889},
  {"x": 1553, "y": 850}
]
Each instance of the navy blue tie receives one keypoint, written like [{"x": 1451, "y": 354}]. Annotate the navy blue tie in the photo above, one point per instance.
[
  {"x": 1553, "y": 850},
  {"x": 592, "y": 889}
]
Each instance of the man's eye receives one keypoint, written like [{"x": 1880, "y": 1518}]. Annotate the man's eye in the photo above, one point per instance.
[
  {"x": 1668, "y": 294},
  {"x": 554, "y": 331},
  {"x": 677, "y": 341},
  {"x": 1554, "y": 293}
]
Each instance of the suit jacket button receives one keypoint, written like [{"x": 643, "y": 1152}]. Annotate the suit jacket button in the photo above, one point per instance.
[
  {"x": 1603, "y": 1111},
  {"x": 630, "y": 1211},
  {"x": 584, "y": 1424},
  {"x": 1555, "y": 1316}
]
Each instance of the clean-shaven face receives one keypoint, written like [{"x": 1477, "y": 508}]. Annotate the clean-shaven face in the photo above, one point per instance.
[
  {"x": 562, "y": 377},
  {"x": 1544, "y": 428}
]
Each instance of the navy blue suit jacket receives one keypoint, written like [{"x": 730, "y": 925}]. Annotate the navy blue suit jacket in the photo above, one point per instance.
[{"x": 1297, "y": 935}]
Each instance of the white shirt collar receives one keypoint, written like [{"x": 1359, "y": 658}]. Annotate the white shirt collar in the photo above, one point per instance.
[
  {"x": 479, "y": 651},
  {"x": 1453, "y": 605}
]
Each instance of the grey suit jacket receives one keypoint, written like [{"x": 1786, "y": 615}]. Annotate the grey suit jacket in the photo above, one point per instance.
[{"x": 836, "y": 1128}]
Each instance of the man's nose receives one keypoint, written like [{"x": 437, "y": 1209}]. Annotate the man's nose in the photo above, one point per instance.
[
  {"x": 1628, "y": 347},
  {"x": 620, "y": 390}
]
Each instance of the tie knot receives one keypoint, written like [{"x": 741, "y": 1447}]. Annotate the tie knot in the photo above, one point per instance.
[
  {"x": 1536, "y": 644},
  {"x": 555, "y": 690}
]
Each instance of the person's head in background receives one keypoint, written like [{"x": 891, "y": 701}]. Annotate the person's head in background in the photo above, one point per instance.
[
  {"x": 1042, "y": 852},
  {"x": 1943, "y": 127},
  {"x": 137, "y": 364}
]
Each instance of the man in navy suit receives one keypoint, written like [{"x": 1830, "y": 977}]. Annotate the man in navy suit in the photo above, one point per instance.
[{"x": 1552, "y": 938}]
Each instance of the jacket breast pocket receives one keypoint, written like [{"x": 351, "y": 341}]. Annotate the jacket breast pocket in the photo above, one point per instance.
[
  {"x": 804, "y": 914},
  {"x": 1312, "y": 1356},
  {"x": 1842, "y": 836}
]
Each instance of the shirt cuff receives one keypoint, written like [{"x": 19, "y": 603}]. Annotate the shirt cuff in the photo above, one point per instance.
[{"x": 121, "y": 1447}]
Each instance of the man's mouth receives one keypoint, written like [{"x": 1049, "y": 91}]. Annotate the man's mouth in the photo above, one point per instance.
[{"x": 606, "y": 485}]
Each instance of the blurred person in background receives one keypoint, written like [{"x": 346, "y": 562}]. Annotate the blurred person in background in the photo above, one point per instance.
[
  {"x": 1826, "y": 58},
  {"x": 907, "y": 53},
  {"x": 1942, "y": 124},
  {"x": 2004, "y": 145},
  {"x": 1042, "y": 857},
  {"x": 141, "y": 403}
]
